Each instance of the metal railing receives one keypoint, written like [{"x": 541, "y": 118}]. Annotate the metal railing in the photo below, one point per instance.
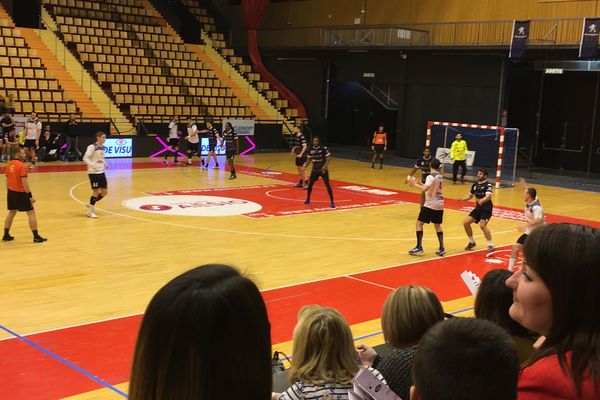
[{"x": 543, "y": 32}]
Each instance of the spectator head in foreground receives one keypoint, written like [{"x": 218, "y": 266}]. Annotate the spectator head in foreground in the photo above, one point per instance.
[
  {"x": 465, "y": 359},
  {"x": 205, "y": 335},
  {"x": 557, "y": 295}
]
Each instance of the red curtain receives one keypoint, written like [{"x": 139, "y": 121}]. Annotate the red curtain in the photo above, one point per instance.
[{"x": 254, "y": 10}]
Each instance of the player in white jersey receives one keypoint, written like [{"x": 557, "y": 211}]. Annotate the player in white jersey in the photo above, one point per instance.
[
  {"x": 433, "y": 208},
  {"x": 173, "y": 139},
  {"x": 193, "y": 142},
  {"x": 33, "y": 130},
  {"x": 534, "y": 217},
  {"x": 94, "y": 158}
]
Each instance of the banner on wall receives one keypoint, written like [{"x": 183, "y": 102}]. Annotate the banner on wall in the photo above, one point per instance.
[
  {"x": 118, "y": 148},
  {"x": 243, "y": 127},
  {"x": 518, "y": 43},
  {"x": 588, "y": 48}
]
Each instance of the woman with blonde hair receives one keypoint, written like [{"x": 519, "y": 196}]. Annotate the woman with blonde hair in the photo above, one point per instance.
[
  {"x": 407, "y": 314},
  {"x": 324, "y": 361}
]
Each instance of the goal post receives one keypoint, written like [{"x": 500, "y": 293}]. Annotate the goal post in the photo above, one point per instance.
[{"x": 490, "y": 147}]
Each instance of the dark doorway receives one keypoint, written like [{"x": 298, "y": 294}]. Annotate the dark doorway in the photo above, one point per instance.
[
  {"x": 354, "y": 115},
  {"x": 567, "y": 121}
]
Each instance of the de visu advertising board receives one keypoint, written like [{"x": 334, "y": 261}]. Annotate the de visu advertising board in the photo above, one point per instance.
[{"x": 118, "y": 148}]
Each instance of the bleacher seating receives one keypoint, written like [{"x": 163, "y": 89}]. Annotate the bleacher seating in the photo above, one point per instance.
[
  {"x": 150, "y": 73},
  {"x": 23, "y": 74},
  {"x": 218, "y": 40}
]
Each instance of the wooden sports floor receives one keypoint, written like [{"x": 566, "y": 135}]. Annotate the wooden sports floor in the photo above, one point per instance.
[{"x": 70, "y": 308}]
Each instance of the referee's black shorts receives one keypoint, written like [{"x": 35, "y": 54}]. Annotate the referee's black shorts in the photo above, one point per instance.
[
  {"x": 18, "y": 201},
  {"x": 378, "y": 148}
]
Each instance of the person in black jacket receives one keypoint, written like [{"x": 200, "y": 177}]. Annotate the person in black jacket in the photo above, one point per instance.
[
  {"x": 72, "y": 139},
  {"x": 48, "y": 145},
  {"x": 407, "y": 314}
]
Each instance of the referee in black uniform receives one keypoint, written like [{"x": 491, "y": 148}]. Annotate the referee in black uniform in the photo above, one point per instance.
[{"x": 319, "y": 156}]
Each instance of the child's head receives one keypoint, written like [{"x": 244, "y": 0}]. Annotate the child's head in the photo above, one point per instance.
[{"x": 323, "y": 347}]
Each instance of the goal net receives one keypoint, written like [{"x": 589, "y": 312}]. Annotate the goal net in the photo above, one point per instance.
[{"x": 493, "y": 148}]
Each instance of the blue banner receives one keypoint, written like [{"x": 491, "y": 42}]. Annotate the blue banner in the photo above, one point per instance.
[
  {"x": 518, "y": 43},
  {"x": 589, "y": 38}
]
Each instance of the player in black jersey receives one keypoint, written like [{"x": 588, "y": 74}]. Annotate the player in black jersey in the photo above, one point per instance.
[
  {"x": 213, "y": 138},
  {"x": 299, "y": 151},
  {"x": 230, "y": 142},
  {"x": 423, "y": 164},
  {"x": 482, "y": 213},
  {"x": 319, "y": 156}
]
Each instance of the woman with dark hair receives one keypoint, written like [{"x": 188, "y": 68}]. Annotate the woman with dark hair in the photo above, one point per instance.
[
  {"x": 557, "y": 295},
  {"x": 493, "y": 300},
  {"x": 205, "y": 335},
  {"x": 407, "y": 314}
]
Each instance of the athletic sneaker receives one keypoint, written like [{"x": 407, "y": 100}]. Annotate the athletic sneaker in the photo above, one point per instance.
[
  {"x": 165, "y": 162},
  {"x": 92, "y": 214},
  {"x": 7, "y": 238},
  {"x": 490, "y": 249},
  {"x": 332, "y": 204},
  {"x": 417, "y": 250},
  {"x": 440, "y": 252},
  {"x": 298, "y": 185},
  {"x": 232, "y": 176},
  {"x": 305, "y": 186},
  {"x": 470, "y": 246},
  {"x": 39, "y": 239},
  {"x": 307, "y": 201}
]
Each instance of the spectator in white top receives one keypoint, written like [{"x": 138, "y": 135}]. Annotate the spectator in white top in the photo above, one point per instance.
[
  {"x": 94, "y": 158},
  {"x": 33, "y": 130},
  {"x": 325, "y": 360}
]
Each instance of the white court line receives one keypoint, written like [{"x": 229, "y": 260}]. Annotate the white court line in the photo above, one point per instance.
[
  {"x": 369, "y": 282},
  {"x": 288, "y": 199}
]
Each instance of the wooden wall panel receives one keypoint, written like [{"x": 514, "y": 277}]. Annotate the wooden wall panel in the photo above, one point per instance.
[{"x": 343, "y": 12}]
